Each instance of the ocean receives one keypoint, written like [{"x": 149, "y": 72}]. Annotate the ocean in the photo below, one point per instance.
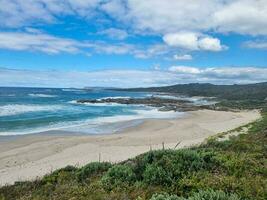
[{"x": 34, "y": 110}]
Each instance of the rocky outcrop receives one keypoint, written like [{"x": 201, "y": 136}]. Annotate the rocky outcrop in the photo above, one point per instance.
[{"x": 162, "y": 104}]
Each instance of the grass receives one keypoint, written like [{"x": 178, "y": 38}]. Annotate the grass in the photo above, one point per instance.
[{"x": 234, "y": 169}]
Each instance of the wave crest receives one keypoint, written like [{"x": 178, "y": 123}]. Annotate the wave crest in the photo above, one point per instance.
[
  {"x": 16, "y": 109},
  {"x": 42, "y": 95}
]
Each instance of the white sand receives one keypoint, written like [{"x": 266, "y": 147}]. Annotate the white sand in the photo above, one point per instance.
[{"x": 31, "y": 156}]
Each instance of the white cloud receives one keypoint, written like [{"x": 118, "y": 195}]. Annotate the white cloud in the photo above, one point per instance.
[
  {"x": 182, "y": 57},
  {"x": 185, "y": 40},
  {"x": 193, "y": 41},
  {"x": 170, "y": 16},
  {"x": 114, "y": 33},
  {"x": 38, "y": 42},
  {"x": 223, "y": 74},
  {"x": 107, "y": 78},
  {"x": 121, "y": 48},
  {"x": 35, "y": 40},
  {"x": 116, "y": 8},
  {"x": 183, "y": 24},
  {"x": 18, "y": 13},
  {"x": 132, "y": 78},
  {"x": 242, "y": 16},
  {"x": 210, "y": 44},
  {"x": 258, "y": 44},
  {"x": 152, "y": 51},
  {"x": 239, "y": 16},
  {"x": 160, "y": 17},
  {"x": 184, "y": 69}
]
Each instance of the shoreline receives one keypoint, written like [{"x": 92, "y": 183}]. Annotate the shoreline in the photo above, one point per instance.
[
  {"x": 100, "y": 125},
  {"x": 30, "y": 156}
]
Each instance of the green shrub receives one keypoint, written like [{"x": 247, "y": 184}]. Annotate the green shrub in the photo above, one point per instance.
[
  {"x": 165, "y": 167},
  {"x": 213, "y": 195},
  {"x": 201, "y": 195},
  {"x": 156, "y": 175},
  {"x": 165, "y": 196},
  {"x": 92, "y": 169},
  {"x": 118, "y": 175},
  {"x": 60, "y": 175}
]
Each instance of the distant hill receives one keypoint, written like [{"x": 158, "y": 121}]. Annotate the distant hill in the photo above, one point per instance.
[{"x": 230, "y": 92}]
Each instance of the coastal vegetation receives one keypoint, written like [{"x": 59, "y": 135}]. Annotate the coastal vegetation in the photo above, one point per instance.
[
  {"x": 255, "y": 91},
  {"x": 218, "y": 169}
]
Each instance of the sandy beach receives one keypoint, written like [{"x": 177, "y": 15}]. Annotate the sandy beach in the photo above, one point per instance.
[{"x": 30, "y": 156}]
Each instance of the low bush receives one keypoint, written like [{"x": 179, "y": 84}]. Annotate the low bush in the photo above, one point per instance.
[
  {"x": 60, "y": 175},
  {"x": 213, "y": 195},
  {"x": 164, "y": 167},
  {"x": 165, "y": 196},
  {"x": 92, "y": 169},
  {"x": 201, "y": 195},
  {"x": 118, "y": 175},
  {"x": 156, "y": 175}
]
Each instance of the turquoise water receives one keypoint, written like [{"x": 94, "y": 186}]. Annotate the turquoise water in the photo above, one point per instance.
[{"x": 31, "y": 110}]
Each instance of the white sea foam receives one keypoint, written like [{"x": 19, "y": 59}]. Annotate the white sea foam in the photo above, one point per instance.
[
  {"x": 42, "y": 95},
  {"x": 72, "y": 90},
  {"x": 7, "y": 95},
  {"x": 163, "y": 96},
  {"x": 196, "y": 100},
  {"x": 73, "y": 102},
  {"x": 117, "y": 97},
  {"x": 15, "y": 109},
  {"x": 102, "y": 125},
  {"x": 111, "y": 124},
  {"x": 104, "y": 104}
]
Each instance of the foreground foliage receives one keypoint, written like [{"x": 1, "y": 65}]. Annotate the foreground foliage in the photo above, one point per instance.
[
  {"x": 208, "y": 195},
  {"x": 233, "y": 169}
]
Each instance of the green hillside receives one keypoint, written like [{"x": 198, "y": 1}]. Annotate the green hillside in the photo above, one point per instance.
[{"x": 256, "y": 91}]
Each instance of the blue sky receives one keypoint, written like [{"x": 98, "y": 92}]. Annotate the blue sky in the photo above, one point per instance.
[{"x": 155, "y": 42}]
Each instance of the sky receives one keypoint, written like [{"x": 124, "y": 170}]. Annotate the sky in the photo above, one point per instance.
[{"x": 132, "y": 43}]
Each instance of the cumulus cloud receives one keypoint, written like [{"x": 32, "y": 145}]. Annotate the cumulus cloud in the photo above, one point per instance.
[
  {"x": 182, "y": 57},
  {"x": 132, "y": 78},
  {"x": 186, "y": 40},
  {"x": 193, "y": 41},
  {"x": 210, "y": 44}
]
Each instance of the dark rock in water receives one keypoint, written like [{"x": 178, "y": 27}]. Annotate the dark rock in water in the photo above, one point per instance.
[{"x": 162, "y": 104}]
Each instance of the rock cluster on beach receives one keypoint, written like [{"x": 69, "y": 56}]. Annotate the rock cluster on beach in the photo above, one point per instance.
[{"x": 162, "y": 104}]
